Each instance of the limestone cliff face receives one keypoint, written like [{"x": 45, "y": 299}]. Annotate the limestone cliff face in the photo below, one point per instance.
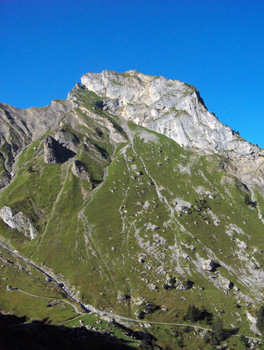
[
  {"x": 176, "y": 109},
  {"x": 169, "y": 107}
]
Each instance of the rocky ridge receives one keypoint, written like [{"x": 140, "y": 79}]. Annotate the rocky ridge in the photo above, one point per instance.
[
  {"x": 175, "y": 109},
  {"x": 169, "y": 107},
  {"x": 19, "y": 127}
]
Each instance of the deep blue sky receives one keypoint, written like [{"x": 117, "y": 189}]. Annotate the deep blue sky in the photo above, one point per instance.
[{"x": 215, "y": 45}]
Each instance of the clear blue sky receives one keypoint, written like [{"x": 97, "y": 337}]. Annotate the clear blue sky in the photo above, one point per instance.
[{"x": 215, "y": 45}]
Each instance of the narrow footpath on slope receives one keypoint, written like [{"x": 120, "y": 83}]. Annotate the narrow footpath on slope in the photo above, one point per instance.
[{"x": 90, "y": 308}]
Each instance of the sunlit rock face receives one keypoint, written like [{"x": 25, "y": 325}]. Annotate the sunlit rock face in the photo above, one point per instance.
[
  {"x": 18, "y": 220},
  {"x": 169, "y": 107},
  {"x": 175, "y": 109}
]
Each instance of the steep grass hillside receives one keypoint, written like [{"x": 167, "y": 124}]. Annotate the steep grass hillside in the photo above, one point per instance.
[{"x": 103, "y": 214}]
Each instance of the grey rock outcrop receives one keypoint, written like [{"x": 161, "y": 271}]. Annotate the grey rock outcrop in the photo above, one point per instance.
[
  {"x": 169, "y": 107},
  {"x": 54, "y": 152},
  {"x": 176, "y": 109},
  {"x": 18, "y": 220},
  {"x": 19, "y": 127},
  {"x": 67, "y": 140},
  {"x": 5, "y": 179},
  {"x": 79, "y": 170},
  {"x": 209, "y": 265}
]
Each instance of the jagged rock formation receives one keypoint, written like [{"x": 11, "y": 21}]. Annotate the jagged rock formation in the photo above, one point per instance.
[
  {"x": 67, "y": 140},
  {"x": 54, "y": 152},
  {"x": 80, "y": 170},
  {"x": 19, "y": 127},
  {"x": 169, "y": 107},
  {"x": 175, "y": 109}
]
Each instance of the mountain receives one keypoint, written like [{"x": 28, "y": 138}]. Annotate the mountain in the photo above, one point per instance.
[{"x": 133, "y": 200}]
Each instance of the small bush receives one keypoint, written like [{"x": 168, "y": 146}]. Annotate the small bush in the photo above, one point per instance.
[
  {"x": 243, "y": 341},
  {"x": 218, "y": 329},
  {"x": 249, "y": 202},
  {"x": 193, "y": 313}
]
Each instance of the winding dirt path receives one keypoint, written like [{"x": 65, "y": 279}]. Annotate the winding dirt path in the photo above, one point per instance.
[
  {"x": 51, "y": 298},
  {"x": 89, "y": 308}
]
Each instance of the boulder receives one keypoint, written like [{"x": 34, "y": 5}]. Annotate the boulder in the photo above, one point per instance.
[
  {"x": 179, "y": 283},
  {"x": 79, "y": 170},
  {"x": 183, "y": 284},
  {"x": 54, "y": 152},
  {"x": 18, "y": 220},
  {"x": 141, "y": 258},
  {"x": 209, "y": 265},
  {"x": 67, "y": 140}
]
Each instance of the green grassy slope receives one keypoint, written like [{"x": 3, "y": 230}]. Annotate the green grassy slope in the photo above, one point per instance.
[{"x": 133, "y": 237}]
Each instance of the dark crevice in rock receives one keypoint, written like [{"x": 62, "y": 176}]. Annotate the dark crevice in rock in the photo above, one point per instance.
[{"x": 54, "y": 152}]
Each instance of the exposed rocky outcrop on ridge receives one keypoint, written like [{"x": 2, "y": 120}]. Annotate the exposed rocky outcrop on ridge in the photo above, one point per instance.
[
  {"x": 54, "y": 152},
  {"x": 19, "y": 127},
  {"x": 79, "y": 170},
  {"x": 67, "y": 140},
  {"x": 176, "y": 109},
  {"x": 169, "y": 107}
]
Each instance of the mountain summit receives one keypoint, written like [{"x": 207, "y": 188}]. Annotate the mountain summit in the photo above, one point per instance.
[
  {"x": 169, "y": 107},
  {"x": 131, "y": 200}
]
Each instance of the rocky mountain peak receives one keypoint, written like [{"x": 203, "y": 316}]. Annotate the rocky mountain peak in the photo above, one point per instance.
[
  {"x": 170, "y": 107},
  {"x": 124, "y": 222}
]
